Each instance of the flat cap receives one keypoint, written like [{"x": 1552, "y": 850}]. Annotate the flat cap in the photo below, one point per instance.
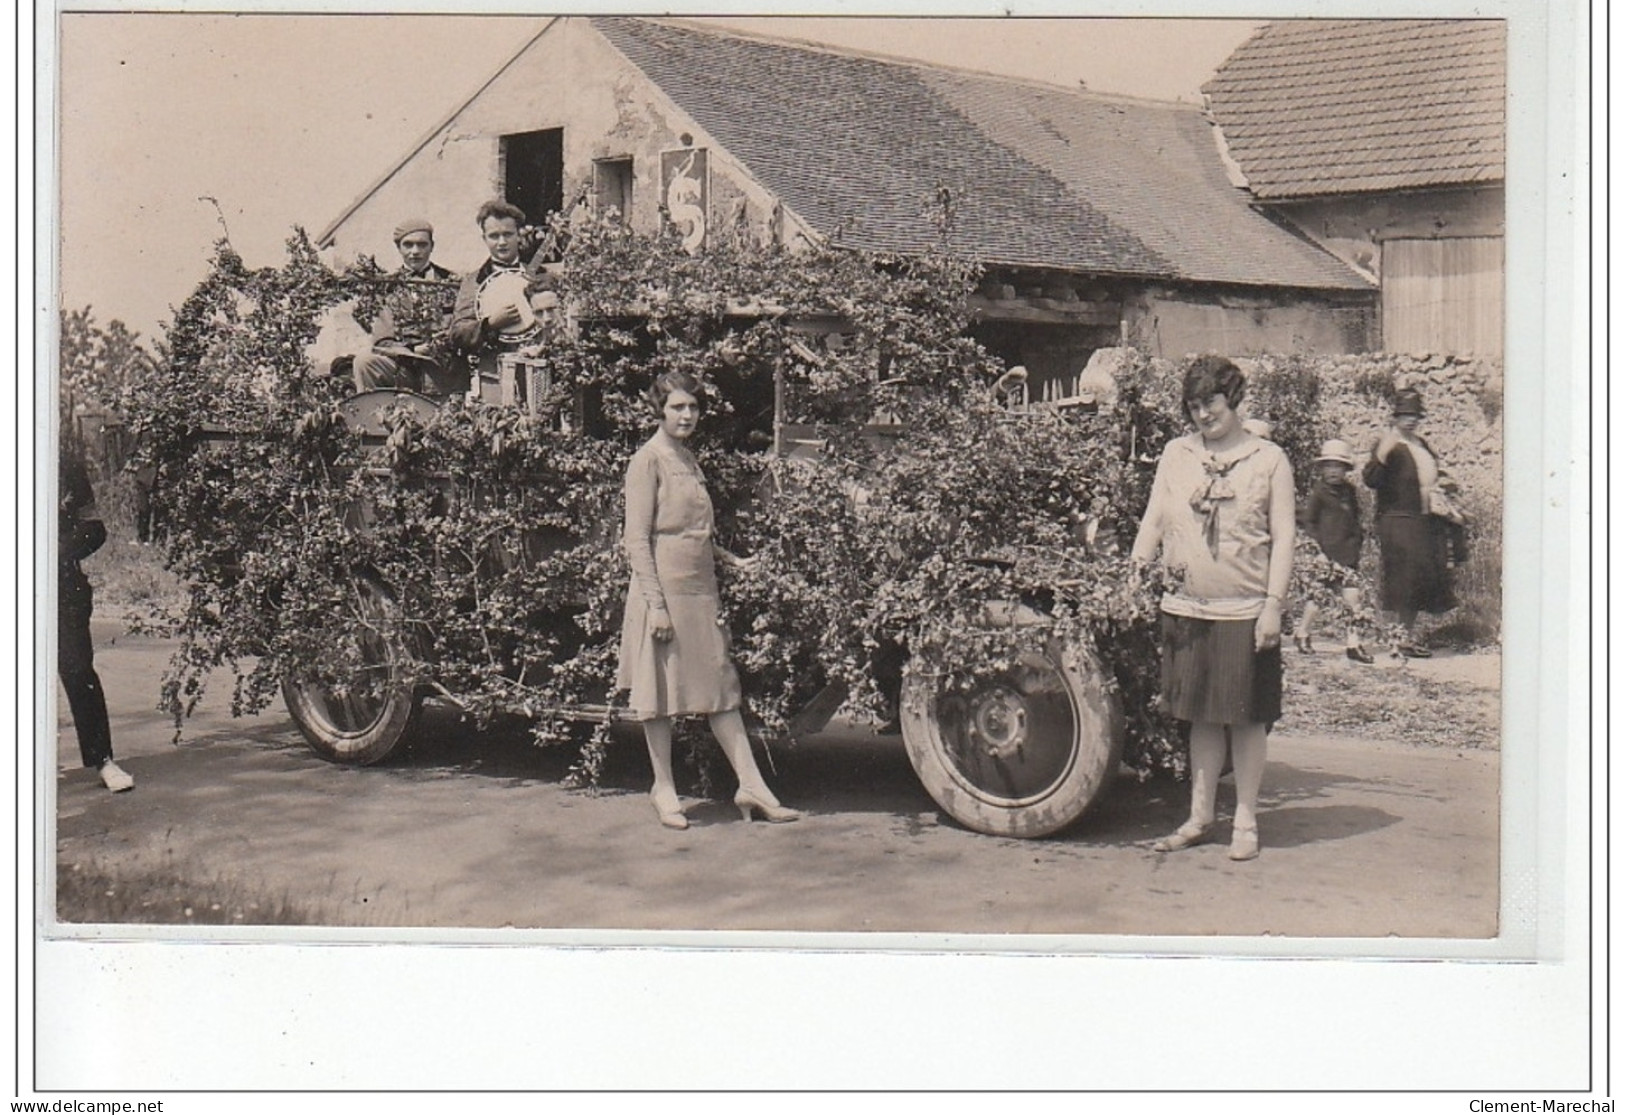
[{"x": 410, "y": 225}]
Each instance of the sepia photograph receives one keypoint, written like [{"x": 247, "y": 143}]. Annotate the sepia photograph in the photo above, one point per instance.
[{"x": 1030, "y": 485}]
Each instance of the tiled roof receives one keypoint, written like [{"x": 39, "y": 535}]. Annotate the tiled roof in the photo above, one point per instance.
[
  {"x": 1317, "y": 107},
  {"x": 1042, "y": 176}
]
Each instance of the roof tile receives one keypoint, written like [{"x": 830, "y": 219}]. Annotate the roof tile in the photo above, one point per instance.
[
  {"x": 1315, "y": 107},
  {"x": 1043, "y": 176}
]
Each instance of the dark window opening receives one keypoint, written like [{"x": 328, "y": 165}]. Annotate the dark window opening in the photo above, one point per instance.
[
  {"x": 1054, "y": 355},
  {"x": 533, "y": 173},
  {"x": 612, "y": 187}
]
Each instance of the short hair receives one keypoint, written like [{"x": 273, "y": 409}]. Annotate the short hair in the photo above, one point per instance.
[
  {"x": 496, "y": 207},
  {"x": 1211, "y": 375},
  {"x": 675, "y": 380}
]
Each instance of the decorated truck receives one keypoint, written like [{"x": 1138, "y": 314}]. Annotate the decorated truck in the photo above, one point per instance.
[{"x": 939, "y": 555}]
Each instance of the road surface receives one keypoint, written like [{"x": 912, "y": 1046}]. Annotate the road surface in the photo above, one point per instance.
[{"x": 1360, "y": 837}]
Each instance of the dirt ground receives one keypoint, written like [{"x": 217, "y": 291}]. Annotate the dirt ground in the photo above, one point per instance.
[{"x": 1362, "y": 836}]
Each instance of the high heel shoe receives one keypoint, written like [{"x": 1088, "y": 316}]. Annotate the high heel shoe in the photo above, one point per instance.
[
  {"x": 670, "y": 813},
  {"x": 1187, "y": 835},
  {"x": 750, "y": 804}
]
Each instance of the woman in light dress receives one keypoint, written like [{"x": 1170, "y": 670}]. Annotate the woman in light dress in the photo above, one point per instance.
[{"x": 674, "y": 649}]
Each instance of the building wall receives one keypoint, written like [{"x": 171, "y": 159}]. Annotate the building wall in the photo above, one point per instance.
[
  {"x": 1438, "y": 254},
  {"x": 1354, "y": 228},
  {"x": 570, "y": 78},
  {"x": 1174, "y": 324}
]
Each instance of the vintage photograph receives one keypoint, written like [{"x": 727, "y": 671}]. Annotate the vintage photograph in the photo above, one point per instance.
[{"x": 1038, "y": 478}]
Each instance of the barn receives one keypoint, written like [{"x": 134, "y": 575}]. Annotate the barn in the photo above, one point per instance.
[
  {"x": 1384, "y": 141},
  {"x": 1098, "y": 219}
]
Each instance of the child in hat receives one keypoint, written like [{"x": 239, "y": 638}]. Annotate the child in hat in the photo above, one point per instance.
[{"x": 1332, "y": 518}]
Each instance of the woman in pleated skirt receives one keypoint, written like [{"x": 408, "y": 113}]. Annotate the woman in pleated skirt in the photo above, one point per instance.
[{"x": 1221, "y": 514}]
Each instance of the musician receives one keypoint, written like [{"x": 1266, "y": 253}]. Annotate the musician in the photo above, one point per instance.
[
  {"x": 496, "y": 305},
  {"x": 409, "y": 348}
]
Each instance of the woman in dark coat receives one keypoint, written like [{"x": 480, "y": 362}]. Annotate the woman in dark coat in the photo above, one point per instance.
[{"x": 1404, "y": 471}]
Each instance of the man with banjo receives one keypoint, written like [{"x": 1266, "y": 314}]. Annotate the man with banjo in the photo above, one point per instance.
[{"x": 496, "y": 305}]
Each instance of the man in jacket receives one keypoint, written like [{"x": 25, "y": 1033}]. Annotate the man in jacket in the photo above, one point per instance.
[
  {"x": 409, "y": 348},
  {"x": 483, "y": 328},
  {"x": 80, "y": 533}
]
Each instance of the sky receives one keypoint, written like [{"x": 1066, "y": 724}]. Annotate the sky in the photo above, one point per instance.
[{"x": 283, "y": 120}]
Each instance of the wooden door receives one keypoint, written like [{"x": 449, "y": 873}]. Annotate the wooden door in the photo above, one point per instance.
[{"x": 1444, "y": 295}]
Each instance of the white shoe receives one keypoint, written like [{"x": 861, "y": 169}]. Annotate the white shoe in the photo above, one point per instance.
[{"x": 115, "y": 777}]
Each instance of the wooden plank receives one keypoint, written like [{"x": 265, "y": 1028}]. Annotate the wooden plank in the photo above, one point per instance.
[
  {"x": 1445, "y": 295},
  {"x": 1044, "y": 311}
]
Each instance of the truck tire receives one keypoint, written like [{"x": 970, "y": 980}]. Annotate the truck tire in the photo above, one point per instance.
[
  {"x": 1023, "y": 752},
  {"x": 360, "y": 718}
]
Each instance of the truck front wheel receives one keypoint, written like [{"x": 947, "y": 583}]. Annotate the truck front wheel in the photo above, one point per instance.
[
  {"x": 356, "y": 715},
  {"x": 1022, "y": 752}
]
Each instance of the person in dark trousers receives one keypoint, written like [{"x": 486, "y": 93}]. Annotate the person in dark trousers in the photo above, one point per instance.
[
  {"x": 143, "y": 481},
  {"x": 80, "y": 533},
  {"x": 1331, "y": 516}
]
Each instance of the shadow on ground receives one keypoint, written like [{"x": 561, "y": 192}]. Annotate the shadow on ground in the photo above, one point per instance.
[{"x": 855, "y": 772}]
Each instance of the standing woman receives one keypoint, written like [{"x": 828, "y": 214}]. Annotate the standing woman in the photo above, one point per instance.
[
  {"x": 1404, "y": 472},
  {"x": 674, "y": 649},
  {"x": 1221, "y": 512}
]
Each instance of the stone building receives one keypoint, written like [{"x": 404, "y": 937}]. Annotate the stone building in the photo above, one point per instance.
[
  {"x": 1097, "y": 218},
  {"x": 1385, "y": 142}
]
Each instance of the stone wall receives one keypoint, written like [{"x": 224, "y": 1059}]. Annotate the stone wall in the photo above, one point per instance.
[
  {"x": 1463, "y": 402},
  {"x": 1463, "y": 424}
]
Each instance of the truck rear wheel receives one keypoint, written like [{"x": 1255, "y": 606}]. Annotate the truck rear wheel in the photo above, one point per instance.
[
  {"x": 1023, "y": 752},
  {"x": 359, "y": 716}
]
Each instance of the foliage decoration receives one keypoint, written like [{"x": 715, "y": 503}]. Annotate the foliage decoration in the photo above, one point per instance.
[
  {"x": 906, "y": 501},
  {"x": 904, "y": 509}
]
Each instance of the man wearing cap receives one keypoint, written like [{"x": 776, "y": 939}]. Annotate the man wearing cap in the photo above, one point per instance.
[
  {"x": 496, "y": 310},
  {"x": 409, "y": 348}
]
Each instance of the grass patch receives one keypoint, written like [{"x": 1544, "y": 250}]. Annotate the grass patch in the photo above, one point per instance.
[
  {"x": 127, "y": 576},
  {"x": 95, "y": 893},
  {"x": 1421, "y": 703}
]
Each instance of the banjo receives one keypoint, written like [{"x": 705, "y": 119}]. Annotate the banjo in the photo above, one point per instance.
[{"x": 509, "y": 288}]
